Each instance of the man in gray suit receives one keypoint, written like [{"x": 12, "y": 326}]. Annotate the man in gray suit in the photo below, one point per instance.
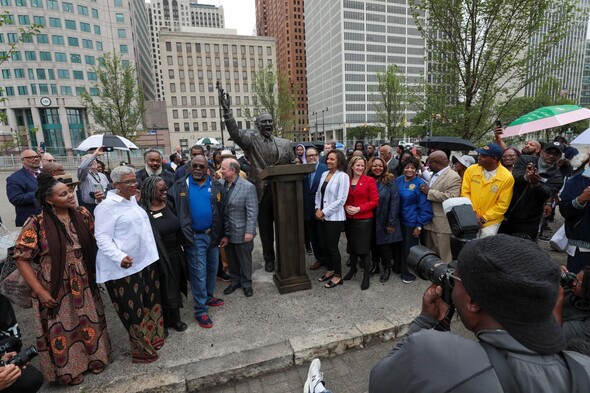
[
  {"x": 239, "y": 220},
  {"x": 444, "y": 183}
]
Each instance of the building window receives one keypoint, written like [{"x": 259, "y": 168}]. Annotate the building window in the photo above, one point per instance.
[
  {"x": 87, "y": 44},
  {"x": 24, "y": 20},
  {"x": 52, "y": 5},
  {"x": 43, "y": 88},
  {"x": 75, "y": 58},
  {"x": 79, "y": 92},
  {"x": 42, "y": 39},
  {"x": 123, "y": 49},
  {"x": 73, "y": 41},
  {"x": 63, "y": 74},
  {"x": 6, "y": 74},
  {"x": 55, "y": 22},
  {"x": 61, "y": 57},
  {"x": 94, "y": 91},
  {"x": 23, "y": 91},
  {"x": 96, "y": 29},
  {"x": 65, "y": 90},
  {"x": 57, "y": 40},
  {"x": 85, "y": 27},
  {"x": 9, "y": 90},
  {"x": 68, "y": 7},
  {"x": 91, "y": 75},
  {"x": 37, "y": 3},
  {"x": 118, "y": 3},
  {"x": 70, "y": 24},
  {"x": 30, "y": 55},
  {"x": 17, "y": 56},
  {"x": 119, "y": 17},
  {"x": 12, "y": 38},
  {"x": 78, "y": 75},
  {"x": 45, "y": 56},
  {"x": 94, "y": 13},
  {"x": 122, "y": 33},
  {"x": 89, "y": 60},
  {"x": 83, "y": 10},
  {"x": 39, "y": 20},
  {"x": 41, "y": 73},
  {"x": 99, "y": 46},
  {"x": 21, "y": 3}
]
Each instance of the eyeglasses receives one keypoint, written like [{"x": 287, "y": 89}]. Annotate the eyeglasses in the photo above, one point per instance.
[
  {"x": 200, "y": 166},
  {"x": 32, "y": 158},
  {"x": 128, "y": 182},
  {"x": 453, "y": 279}
]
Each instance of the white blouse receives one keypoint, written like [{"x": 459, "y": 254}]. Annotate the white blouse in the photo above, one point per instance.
[{"x": 122, "y": 228}]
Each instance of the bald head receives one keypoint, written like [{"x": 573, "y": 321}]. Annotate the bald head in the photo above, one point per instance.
[
  {"x": 30, "y": 159},
  {"x": 437, "y": 160},
  {"x": 532, "y": 148},
  {"x": 53, "y": 169}
]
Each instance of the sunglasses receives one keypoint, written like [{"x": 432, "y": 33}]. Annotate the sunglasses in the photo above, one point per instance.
[{"x": 200, "y": 166}]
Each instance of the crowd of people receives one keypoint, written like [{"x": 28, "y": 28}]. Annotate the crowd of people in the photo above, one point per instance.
[{"x": 145, "y": 233}]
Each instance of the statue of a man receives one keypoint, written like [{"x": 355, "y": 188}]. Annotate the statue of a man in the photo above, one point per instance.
[{"x": 262, "y": 149}]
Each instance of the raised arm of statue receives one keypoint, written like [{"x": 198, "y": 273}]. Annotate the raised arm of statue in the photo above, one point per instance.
[{"x": 225, "y": 102}]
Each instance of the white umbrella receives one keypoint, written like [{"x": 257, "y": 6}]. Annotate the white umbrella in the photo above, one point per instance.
[
  {"x": 582, "y": 139},
  {"x": 208, "y": 141},
  {"x": 106, "y": 140}
]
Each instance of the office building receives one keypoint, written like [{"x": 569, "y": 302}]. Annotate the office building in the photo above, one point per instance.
[
  {"x": 347, "y": 43},
  {"x": 284, "y": 20},
  {"x": 192, "y": 64},
  {"x": 45, "y": 76},
  {"x": 175, "y": 16}
]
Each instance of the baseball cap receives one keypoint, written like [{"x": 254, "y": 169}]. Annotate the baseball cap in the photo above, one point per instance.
[
  {"x": 491, "y": 149},
  {"x": 466, "y": 161},
  {"x": 554, "y": 145}
]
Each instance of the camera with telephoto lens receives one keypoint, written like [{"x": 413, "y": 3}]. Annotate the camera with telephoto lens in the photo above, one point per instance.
[
  {"x": 567, "y": 279},
  {"x": 427, "y": 265},
  {"x": 14, "y": 344}
]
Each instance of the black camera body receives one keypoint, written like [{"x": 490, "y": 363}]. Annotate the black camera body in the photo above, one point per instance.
[
  {"x": 567, "y": 279},
  {"x": 14, "y": 344},
  {"x": 427, "y": 265}
]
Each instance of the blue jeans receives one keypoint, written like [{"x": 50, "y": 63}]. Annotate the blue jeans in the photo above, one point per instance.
[{"x": 203, "y": 259}]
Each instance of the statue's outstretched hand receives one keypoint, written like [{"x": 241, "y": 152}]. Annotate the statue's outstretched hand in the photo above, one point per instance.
[{"x": 224, "y": 99}]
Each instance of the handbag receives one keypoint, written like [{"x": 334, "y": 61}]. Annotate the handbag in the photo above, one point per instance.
[{"x": 13, "y": 284}]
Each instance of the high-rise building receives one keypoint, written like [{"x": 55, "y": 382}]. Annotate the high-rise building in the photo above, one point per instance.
[
  {"x": 177, "y": 15},
  {"x": 572, "y": 48},
  {"x": 347, "y": 43},
  {"x": 284, "y": 20},
  {"x": 44, "y": 77},
  {"x": 585, "y": 92},
  {"x": 193, "y": 63}
]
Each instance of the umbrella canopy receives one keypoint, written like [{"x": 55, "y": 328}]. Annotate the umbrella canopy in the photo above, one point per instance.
[
  {"x": 447, "y": 143},
  {"x": 106, "y": 140},
  {"x": 582, "y": 139},
  {"x": 546, "y": 117},
  {"x": 208, "y": 141},
  {"x": 339, "y": 145}
]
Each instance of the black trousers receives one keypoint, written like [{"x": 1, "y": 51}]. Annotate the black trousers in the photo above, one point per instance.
[
  {"x": 265, "y": 225},
  {"x": 382, "y": 252},
  {"x": 312, "y": 230},
  {"x": 329, "y": 237}
]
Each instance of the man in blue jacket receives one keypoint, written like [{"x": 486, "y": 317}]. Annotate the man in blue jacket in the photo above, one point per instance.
[
  {"x": 198, "y": 202},
  {"x": 22, "y": 185}
]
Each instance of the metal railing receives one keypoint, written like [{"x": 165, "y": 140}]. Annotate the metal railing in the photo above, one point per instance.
[{"x": 12, "y": 162}]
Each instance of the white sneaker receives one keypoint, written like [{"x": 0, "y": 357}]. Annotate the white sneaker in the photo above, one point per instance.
[{"x": 314, "y": 377}]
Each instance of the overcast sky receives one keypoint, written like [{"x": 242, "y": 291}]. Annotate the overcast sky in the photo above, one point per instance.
[{"x": 239, "y": 14}]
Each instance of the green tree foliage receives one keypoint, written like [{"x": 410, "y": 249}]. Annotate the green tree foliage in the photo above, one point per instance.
[
  {"x": 274, "y": 94},
  {"x": 363, "y": 133},
  {"x": 119, "y": 108},
  {"x": 485, "y": 51},
  {"x": 391, "y": 100}
]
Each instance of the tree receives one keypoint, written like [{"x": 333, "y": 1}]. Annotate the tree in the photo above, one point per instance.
[
  {"x": 492, "y": 49},
  {"x": 391, "y": 100},
  {"x": 273, "y": 93},
  {"x": 363, "y": 133},
  {"x": 119, "y": 107}
]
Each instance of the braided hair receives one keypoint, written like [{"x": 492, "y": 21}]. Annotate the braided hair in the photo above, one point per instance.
[
  {"x": 57, "y": 236},
  {"x": 148, "y": 191}
]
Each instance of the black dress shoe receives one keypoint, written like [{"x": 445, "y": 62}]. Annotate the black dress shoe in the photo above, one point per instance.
[
  {"x": 248, "y": 292},
  {"x": 179, "y": 326},
  {"x": 231, "y": 289},
  {"x": 269, "y": 266},
  {"x": 384, "y": 276}
]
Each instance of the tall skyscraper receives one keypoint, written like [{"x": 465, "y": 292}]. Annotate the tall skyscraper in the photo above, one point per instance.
[
  {"x": 177, "y": 15},
  {"x": 284, "y": 20},
  {"x": 585, "y": 91},
  {"x": 47, "y": 73},
  {"x": 347, "y": 43},
  {"x": 573, "y": 48}
]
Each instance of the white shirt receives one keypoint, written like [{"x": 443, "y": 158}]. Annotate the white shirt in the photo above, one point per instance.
[
  {"x": 436, "y": 176},
  {"x": 122, "y": 228}
]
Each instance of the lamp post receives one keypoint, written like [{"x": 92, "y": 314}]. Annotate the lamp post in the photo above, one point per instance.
[
  {"x": 324, "y": 123},
  {"x": 316, "y": 123},
  {"x": 218, "y": 87}
]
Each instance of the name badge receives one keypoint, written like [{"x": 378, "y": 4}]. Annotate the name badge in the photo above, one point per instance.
[
  {"x": 183, "y": 194},
  {"x": 157, "y": 215}
]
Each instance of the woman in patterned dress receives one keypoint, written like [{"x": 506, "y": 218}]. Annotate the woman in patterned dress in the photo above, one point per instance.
[{"x": 69, "y": 314}]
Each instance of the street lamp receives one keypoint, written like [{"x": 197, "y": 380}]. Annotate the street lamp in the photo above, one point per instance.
[
  {"x": 316, "y": 123},
  {"x": 219, "y": 89},
  {"x": 324, "y": 123}
]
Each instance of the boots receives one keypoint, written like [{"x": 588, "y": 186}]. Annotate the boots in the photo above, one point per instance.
[
  {"x": 351, "y": 273},
  {"x": 374, "y": 268},
  {"x": 366, "y": 260}
]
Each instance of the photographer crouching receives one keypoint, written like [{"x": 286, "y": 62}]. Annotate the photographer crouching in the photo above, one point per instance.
[
  {"x": 505, "y": 291},
  {"x": 576, "y": 304}
]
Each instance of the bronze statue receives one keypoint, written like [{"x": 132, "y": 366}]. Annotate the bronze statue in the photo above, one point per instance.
[{"x": 263, "y": 150}]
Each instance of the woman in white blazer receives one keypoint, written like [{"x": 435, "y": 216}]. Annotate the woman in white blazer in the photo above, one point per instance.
[{"x": 329, "y": 211}]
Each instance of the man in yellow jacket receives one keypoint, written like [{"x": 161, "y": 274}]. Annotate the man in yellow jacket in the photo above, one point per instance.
[{"x": 489, "y": 187}]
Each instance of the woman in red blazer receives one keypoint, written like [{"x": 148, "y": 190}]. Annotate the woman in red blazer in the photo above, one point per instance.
[{"x": 359, "y": 207}]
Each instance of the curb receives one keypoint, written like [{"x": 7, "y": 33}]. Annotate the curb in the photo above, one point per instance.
[{"x": 207, "y": 373}]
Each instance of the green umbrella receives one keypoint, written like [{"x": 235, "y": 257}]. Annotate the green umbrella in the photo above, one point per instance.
[{"x": 546, "y": 117}]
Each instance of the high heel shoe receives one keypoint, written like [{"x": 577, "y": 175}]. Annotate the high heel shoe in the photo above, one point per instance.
[
  {"x": 326, "y": 277},
  {"x": 332, "y": 284},
  {"x": 350, "y": 275}
]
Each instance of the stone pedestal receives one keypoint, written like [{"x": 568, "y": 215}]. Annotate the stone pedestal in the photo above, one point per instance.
[{"x": 287, "y": 190}]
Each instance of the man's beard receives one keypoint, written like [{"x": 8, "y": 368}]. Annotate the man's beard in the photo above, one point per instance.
[{"x": 151, "y": 172}]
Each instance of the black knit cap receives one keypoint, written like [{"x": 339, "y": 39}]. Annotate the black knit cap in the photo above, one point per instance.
[{"x": 516, "y": 283}]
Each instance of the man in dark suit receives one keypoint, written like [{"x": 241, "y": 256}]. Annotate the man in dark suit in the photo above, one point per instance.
[
  {"x": 263, "y": 149},
  {"x": 22, "y": 185},
  {"x": 310, "y": 187},
  {"x": 239, "y": 219},
  {"x": 386, "y": 152},
  {"x": 153, "y": 167}
]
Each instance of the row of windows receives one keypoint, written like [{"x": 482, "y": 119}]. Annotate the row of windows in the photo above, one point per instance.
[
  {"x": 44, "y": 74},
  {"x": 207, "y": 47},
  {"x": 59, "y": 57},
  {"x": 45, "y": 89},
  {"x": 54, "y": 5},
  {"x": 180, "y": 60}
]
